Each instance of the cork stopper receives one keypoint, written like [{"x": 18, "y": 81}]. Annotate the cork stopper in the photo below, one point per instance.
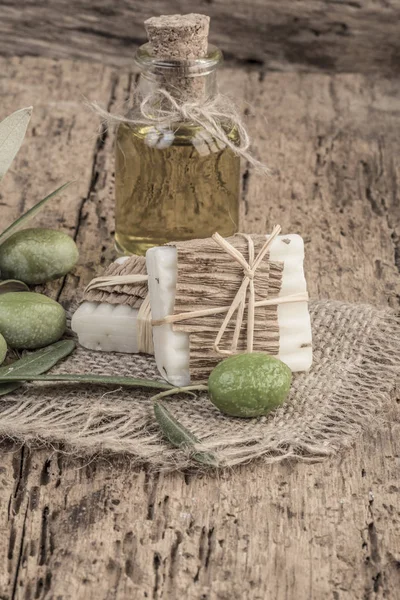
[{"x": 181, "y": 37}]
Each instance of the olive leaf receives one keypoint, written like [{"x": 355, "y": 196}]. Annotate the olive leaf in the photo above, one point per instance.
[
  {"x": 26, "y": 217},
  {"x": 12, "y": 133},
  {"x": 33, "y": 364},
  {"x": 13, "y": 285},
  {"x": 179, "y": 436},
  {"x": 82, "y": 378}
]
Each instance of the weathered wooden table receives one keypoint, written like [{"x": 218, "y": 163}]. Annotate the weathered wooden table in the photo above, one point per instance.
[{"x": 98, "y": 529}]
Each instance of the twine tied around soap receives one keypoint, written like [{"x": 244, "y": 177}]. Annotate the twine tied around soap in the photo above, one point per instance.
[
  {"x": 240, "y": 301},
  {"x": 217, "y": 116}
]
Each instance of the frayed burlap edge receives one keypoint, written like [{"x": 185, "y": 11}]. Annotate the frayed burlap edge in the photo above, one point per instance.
[{"x": 348, "y": 391}]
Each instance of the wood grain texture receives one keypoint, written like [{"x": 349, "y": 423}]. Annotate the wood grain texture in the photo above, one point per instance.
[
  {"x": 328, "y": 35},
  {"x": 101, "y": 530}
]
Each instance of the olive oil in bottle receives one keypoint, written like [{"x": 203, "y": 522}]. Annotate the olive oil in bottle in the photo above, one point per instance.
[
  {"x": 174, "y": 181},
  {"x": 175, "y": 192}
]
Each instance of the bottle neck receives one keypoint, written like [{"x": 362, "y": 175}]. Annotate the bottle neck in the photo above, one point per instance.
[{"x": 185, "y": 80}]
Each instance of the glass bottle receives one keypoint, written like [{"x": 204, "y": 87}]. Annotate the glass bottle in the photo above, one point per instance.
[{"x": 174, "y": 183}]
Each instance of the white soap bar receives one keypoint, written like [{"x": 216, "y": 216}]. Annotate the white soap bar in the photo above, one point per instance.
[
  {"x": 106, "y": 327},
  {"x": 295, "y": 341},
  {"x": 172, "y": 348}
]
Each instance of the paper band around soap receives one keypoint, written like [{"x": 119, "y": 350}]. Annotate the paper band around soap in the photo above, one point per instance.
[
  {"x": 144, "y": 324},
  {"x": 112, "y": 280},
  {"x": 111, "y": 317}
]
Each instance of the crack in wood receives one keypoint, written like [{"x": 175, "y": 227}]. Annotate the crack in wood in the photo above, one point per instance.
[
  {"x": 20, "y": 554},
  {"x": 45, "y": 474},
  {"x": 373, "y": 560},
  {"x": 20, "y": 472},
  {"x": 59, "y": 467},
  {"x": 245, "y": 188},
  {"x": 152, "y": 494},
  {"x": 9, "y": 507},
  {"x": 21, "y": 467},
  {"x": 210, "y": 546},
  {"x": 157, "y": 576},
  {"x": 43, "y": 536},
  {"x": 174, "y": 554},
  {"x": 11, "y": 542}
]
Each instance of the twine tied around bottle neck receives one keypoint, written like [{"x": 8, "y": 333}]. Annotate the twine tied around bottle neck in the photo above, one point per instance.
[
  {"x": 217, "y": 116},
  {"x": 244, "y": 298}
]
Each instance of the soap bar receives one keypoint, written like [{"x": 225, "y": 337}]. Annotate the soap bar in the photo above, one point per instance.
[
  {"x": 106, "y": 327},
  {"x": 173, "y": 347},
  {"x": 110, "y": 325},
  {"x": 295, "y": 339}
]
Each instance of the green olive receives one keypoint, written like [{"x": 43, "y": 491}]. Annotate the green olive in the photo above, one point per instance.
[
  {"x": 249, "y": 385},
  {"x": 30, "y": 320},
  {"x": 3, "y": 349},
  {"x": 37, "y": 255}
]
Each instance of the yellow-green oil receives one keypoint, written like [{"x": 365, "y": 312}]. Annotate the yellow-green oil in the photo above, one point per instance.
[{"x": 173, "y": 193}]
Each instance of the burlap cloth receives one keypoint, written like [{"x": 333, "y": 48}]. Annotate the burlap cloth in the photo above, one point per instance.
[{"x": 350, "y": 386}]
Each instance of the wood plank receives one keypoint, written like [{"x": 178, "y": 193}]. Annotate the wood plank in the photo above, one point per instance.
[
  {"x": 79, "y": 529},
  {"x": 327, "y": 35}
]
